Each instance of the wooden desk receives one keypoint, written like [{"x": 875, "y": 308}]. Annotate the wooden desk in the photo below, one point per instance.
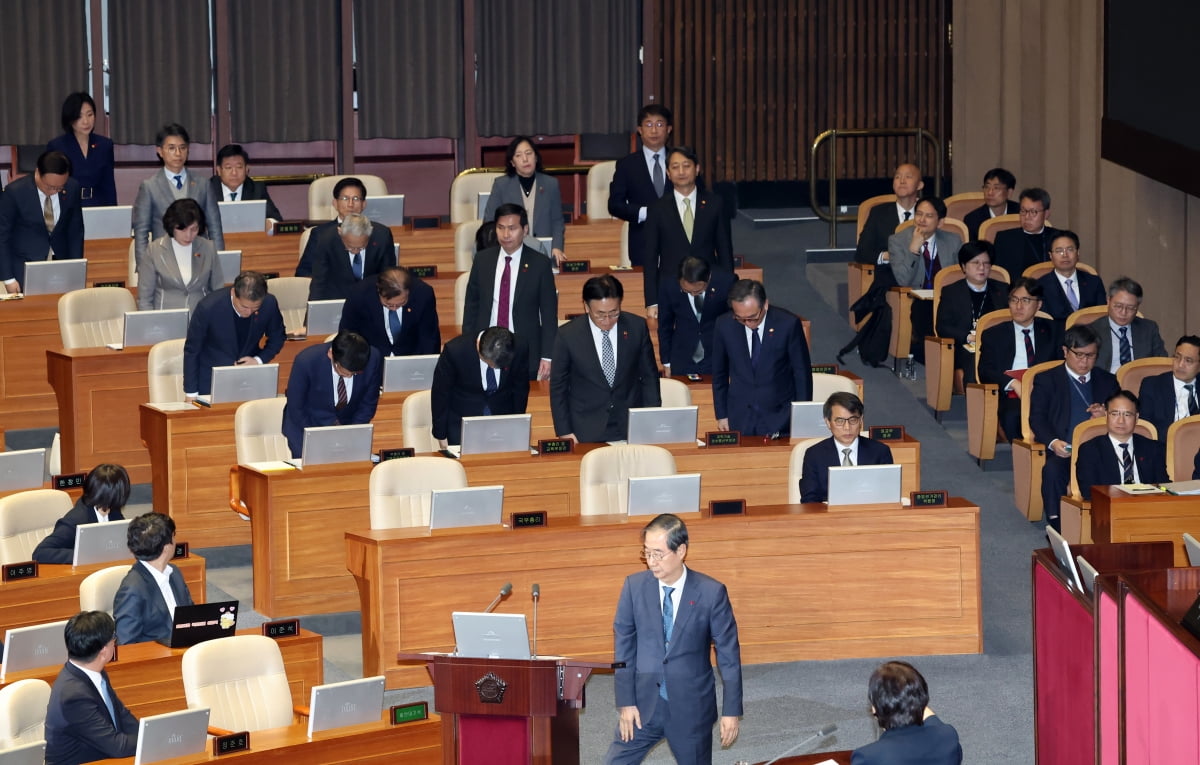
[
  {"x": 54, "y": 594},
  {"x": 1121, "y": 517},
  {"x": 149, "y": 676},
  {"x": 851, "y": 583},
  {"x": 27, "y": 328}
]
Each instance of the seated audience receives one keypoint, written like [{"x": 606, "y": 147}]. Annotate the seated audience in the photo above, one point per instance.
[
  {"x": 105, "y": 492},
  {"x": 1171, "y": 396},
  {"x": 145, "y": 602},
  {"x": 1020, "y": 248},
  {"x": 233, "y": 183},
  {"x": 1122, "y": 456},
  {"x": 882, "y": 220},
  {"x": 40, "y": 218},
  {"x": 481, "y": 375},
  {"x": 90, "y": 154},
  {"x": 912, "y": 733},
  {"x": 227, "y": 329},
  {"x": 359, "y": 250},
  {"x": 523, "y": 176},
  {"x": 334, "y": 383},
  {"x": 965, "y": 301},
  {"x": 998, "y": 184},
  {"x": 687, "y": 312},
  {"x": 1066, "y": 289},
  {"x": 846, "y": 447},
  {"x": 396, "y": 312},
  {"x": 179, "y": 268},
  {"x": 918, "y": 253},
  {"x": 1125, "y": 336}
]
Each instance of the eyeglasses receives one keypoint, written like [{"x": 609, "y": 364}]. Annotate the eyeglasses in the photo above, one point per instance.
[
  {"x": 604, "y": 315},
  {"x": 1014, "y": 300},
  {"x": 1082, "y": 356},
  {"x": 1030, "y": 213},
  {"x": 1064, "y": 251},
  {"x": 350, "y": 199},
  {"x": 654, "y": 556},
  {"x": 1123, "y": 307},
  {"x": 1122, "y": 414},
  {"x": 751, "y": 319},
  {"x": 842, "y": 422},
  {"x": 659, "y": 124}
]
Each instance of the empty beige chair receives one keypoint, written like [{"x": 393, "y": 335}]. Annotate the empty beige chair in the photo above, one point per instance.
[
  {"x": 400, "y": 490},
  {"x": 416, "y": 419},
  {"x": 465, "y": 191},
  {"x": 54, "y": 456},
  {"x": 796, "y": 465},
  {"x": 98, "y": 589},
  {"x": 258, "y": 431},
  {"x": 292, "y": 294},
  {"x": 1131, "y": 374},
  {"x": 460, "y": 297},
  {"x": 94, "y": 317},
  {"x": 23, "y": 712},
  {"x": 320, "y": 194},
  {"x": 604, "y": 475},
  {"x": 1183, "y": 442},
  {"x": 131, "y": 270},
  {"x": 242, "y": 679},
  {"x": 674, "y": 392},
  {"x": 958, "y": 205},
  {"x": 28, "y": 517},
  {"x": 624, "y": 261},
  {"x": 599, "y": 177},
  {"x": 164, "y": 372},
  {"x": 464, "y": 244},
  {"x": 825, "y": 385}
]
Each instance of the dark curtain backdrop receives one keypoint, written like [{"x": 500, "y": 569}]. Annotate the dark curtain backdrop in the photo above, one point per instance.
[
  {"x": 409, "y": 56},
  {"x": 284, "y": 59},
  {"x": 37, "y": 77},
  {"x": 547, "y": 67}
]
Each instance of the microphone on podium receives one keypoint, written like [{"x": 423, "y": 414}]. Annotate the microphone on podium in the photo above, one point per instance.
[
  {"x": 826, "y": 731},
  {"x": 537, "y": 594},
  {"x": 504, "y": 592}
]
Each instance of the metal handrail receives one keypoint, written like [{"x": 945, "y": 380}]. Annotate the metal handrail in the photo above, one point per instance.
[{"x": 832, "y": 135}]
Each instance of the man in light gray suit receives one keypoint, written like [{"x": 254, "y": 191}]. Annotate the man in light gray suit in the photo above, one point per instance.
[
  {"x": 1125, "y": 336},
  {"x": 917, "y": 254},
  {"x": 173, "y": 182}
]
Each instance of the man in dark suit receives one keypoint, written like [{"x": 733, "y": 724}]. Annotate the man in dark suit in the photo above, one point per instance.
[
  {"x": 998, "y": 184},
  {"x": 1006, "y": 347},
  {"x": 686, "y": 221},
  {"x": 233, "y": 183},
  {"x": 1173, "y": 395},
  {"x": 478, "y": 375},
  {"x": 912, "y": 733},
  {"x": 1066, "y": 289},
  {"x": 341, "y": 262},
  {"x": 1120, "y": 456},
  {"x": 883, "y": 219},
  {"x": 1125, "y": 336},
  {"x": 85, "y": 720},
  {"x": 965, "y": 301},
  {"x": 146, "y": 600},
  {"x": 1061, "y": 399},
  {"x": 669, "y": 620},
  {"x": 349, "y": 198},
  {"x": 845, "y": 448},
  {"x": 396, "y": 312},
  {"x": 760, "y": 364},
  {"x": 315, "y": 400},
  {"x": 512, "y": 286},
  {"x": 639, "y": 179},
  {"x": 1018, "y": 249},
  {"x": 603, "y": 367},
  {"x": 40, "y": 214},
  {"x": 105, "y": 492},
  {"x": 226, "y": 329},
  {"x": 687, "y": 312}
]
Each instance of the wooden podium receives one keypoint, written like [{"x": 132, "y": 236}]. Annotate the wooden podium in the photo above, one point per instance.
[{"x": 504, "y": 711}]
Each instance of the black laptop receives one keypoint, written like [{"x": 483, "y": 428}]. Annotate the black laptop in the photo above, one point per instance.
[{"x": 202, "y": 621}]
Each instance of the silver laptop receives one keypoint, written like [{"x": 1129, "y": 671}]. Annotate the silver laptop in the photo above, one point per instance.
[
  {"x": 490, "y": 636},
  {"x": 460, "y": 508},
  {"x": 174, "y": 734},
  {"x": 26, "y": 754},
  {"x": 335, "y": 444},
  {"x": 652, "y": 495},
  {"x": 353, "y": 702},
  {"x": 150, "y": 327},
  {"x": 1062, "y": 551},
  {"x": 24, "y": 469},
  {"x": 101, "y": 542},
  {"x": 401, "y": 373},
  {"x": 1192, "y": 546},
  {"x": 243, "y": 382},
  {"x": 808, "y": 420},
  {"x": 1087, "y": 574},
  {"x": 496, "y": 433},
  {"x": 663, "y": 425},
  {"x": 231, "y": 264},
  {"x": 387, "y": 210},
  {"x": 864, "y": 485},
  {"x": 324, "y": 316},
  {"x": 481, "y": 206},
  {"x": 41, "y": 645},
  {"x": 108, "y": 222},
  {"x": 243, "y": 216},
  {"x": 54, "y": 277}
]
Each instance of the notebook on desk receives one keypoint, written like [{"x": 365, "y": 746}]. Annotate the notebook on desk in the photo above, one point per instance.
[
  {"x": 402, "y": 373},
  {"x": 242, "y": 382},
  {"x": 663, "y": 424},
  {"x": 243, "y": 216},
  {"x": 324, "y": 316},
  {"x": 28, "y": 754},
  {"x": 231, "y": 264},
  {"x": 170, "y": 735},
  {"x": 352, "y": 702},
  {"x": 335, "y": 444},
  {"x": 386, "y": 210},
  {"x": 490, "y": 636},
  {"x": 22, "y": 469},
  {"x": 150, "y": 327},
  {"x": 654, "y": 495},
  {"x": 101, "y": 543},
  {"x": 54, "y": 277},
  {"x": 199, "y": 622},
  {"x": 496, "y": 433},
  {"x": 39, "y": 645},
  {"x": 865, "y": 485}
]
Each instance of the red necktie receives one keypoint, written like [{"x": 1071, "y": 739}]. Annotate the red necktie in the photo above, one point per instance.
[{"x": 505, "y": 287}]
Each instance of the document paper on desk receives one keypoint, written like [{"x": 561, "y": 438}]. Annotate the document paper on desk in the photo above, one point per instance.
[{"x": 1183, "y": 487}]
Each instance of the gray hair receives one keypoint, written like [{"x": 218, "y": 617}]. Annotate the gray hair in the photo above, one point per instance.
[{"x": 355, "y": 224}]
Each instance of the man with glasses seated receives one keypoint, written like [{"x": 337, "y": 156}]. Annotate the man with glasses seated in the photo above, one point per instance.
[
  {"x": 1124, "y": 336},
  {"x": 998, "y": 184},
  {"x": 640, "y": 178},
  {"x": 1066, "y": 288},
  {"x": 335, "y": 383},
  {"x": 1014, "y": 346},
  {"x": 845, "y": 448},
  {"x": 349, "y": 197},
  {"x": 1061, "y": 399},
  {"x": 1122, "y": 456},
  {"x": 1173, "y": 395},
  {"x": 1018, "y": 249}
]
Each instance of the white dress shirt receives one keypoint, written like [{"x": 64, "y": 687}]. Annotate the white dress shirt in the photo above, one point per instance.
[{"x": 163, "y": 580}]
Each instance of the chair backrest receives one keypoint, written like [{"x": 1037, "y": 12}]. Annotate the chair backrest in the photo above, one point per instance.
[
  {"x": 604, "y": 475},
  {"x": 1095, "y": 428},
  {"x": 904, "y": 225},
  {"x": 23, "y": 712},
  {"x": 1027, "y": 390},
  {"x": 258, "y": 431},
  {"x": 304, "y": 235},
  {"x": 242, "y": 679},
  {"x": 940, "y": 280},
  {"x": 292, "y": 294},
  {"x": 94, "y": 316},
  {"x": 131, "y": 275},
  {"x": 1086, "y": 315},
  {"x": 988, "y": 320},
  {"x": 1130, "y": 375},
  {"x": 958, "y": 205},
  {"x": 624, "y": 259},
  {"x": 1183, "y": 443},
  {"x": 955, "y": 225},
  {"x": 416, "y": 419},
  {"x": 992, "y": 226},
  {"x": 28, "y": 517},
  {"x": 460, "y": 297},
  {"x": 864, "y": 210},
  {"x": 465, "y": 191},
  {"x": 598, "y": 177},
  {"x": 1038, "y": 270},
  {"x": 99, "y": 588},
  {"x": 674, "y": 392},
  {"x": 164, "y": 371},
  {"x": 795, "y": 467},
  {"x": 320, "y": 193},
  {"x": 825, "y": 385},
  {"x": 400, "y": 490},
  {"x": 464, "y": 243}
]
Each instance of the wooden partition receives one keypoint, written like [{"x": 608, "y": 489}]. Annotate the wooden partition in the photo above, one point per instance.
[{"x": 1120, "y": 517}]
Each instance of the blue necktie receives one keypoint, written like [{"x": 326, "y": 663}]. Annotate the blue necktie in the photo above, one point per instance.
[
  {"x": 394, "y": 325},
  {"x": 491, "y": 389},
  {"x": 357, "y": 265},
  {"x": 107, "y": 701},
  {"x": 178, "y": 182},
  {"x": 668, "y": 611},
  {"x": 1126, "y": 348}
]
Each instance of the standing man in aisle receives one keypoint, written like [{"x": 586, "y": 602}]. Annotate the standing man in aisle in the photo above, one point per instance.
[{"x": 640, "y": 179}]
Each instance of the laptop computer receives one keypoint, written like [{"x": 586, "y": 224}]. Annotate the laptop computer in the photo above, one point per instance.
[
  {"x": 496, "y": 433},
  {"x": 352, "y": 702},
  {"x": 231, "y": 264},
  {"x": 244, "y": 215},
  {"x": 1192, "y": 546},
  {"x": 324, "y": 316},
  {"x": 460, "y": 508},
  {"x": 652, "y": 495},
  {"x": 1062, "y": 551},
  {"x": 335, "y": 444},
  {"x": 864, "y": 485},
  {"x": 114, "y": 222},
  {"x": 174, "y": 734},
  {"x": 54, "y": 277},
  {"x": 22, "y": 469},
  {"x": 481, "y": 205},
  {"x": 202, "y": 621},
  {"x": 663, "y": 424},
  {"x": 40, "y": 645},
  {"x": 243, "y": 382},
  {"x": 101, "y": 542},
  {"x": 401, "y": 373},
  {"x": 490, "y": 636},
  {"x": 1087, "y": 574},
  {"x": 387, "y": 210},
  {"x": 150, "y": 327},
  {"x": 808, "y": 420},
  {"x": 27, "y": 754}
]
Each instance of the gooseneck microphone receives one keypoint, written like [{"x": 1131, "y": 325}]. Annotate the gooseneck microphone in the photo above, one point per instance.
[
  {"x": 826, "y": 731},
  {"x": 537, "y": 593},
  {"x": 504, "y": 592}
]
